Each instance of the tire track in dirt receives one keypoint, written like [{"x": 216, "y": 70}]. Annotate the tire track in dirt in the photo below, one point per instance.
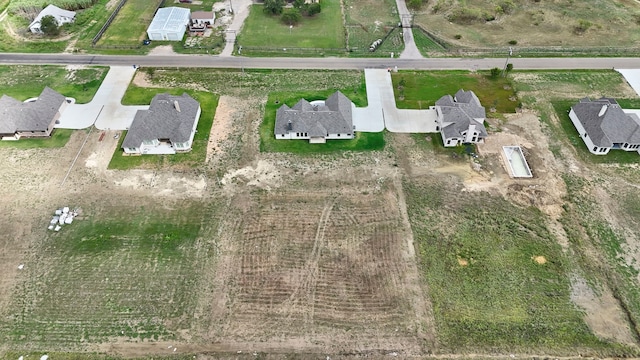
[{"x": 309, "y": 284}]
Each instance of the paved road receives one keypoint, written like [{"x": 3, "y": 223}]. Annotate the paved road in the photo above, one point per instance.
[{"x": 321, "y": 63}]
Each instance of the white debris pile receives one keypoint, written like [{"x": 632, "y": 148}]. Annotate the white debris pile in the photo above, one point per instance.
[{"x": 63, "y": 216}]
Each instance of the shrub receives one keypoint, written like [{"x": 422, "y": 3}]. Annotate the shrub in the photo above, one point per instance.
[
  {"x": 49, "y": 26},
  {"x": 582, "y": 26},
  {"x": 313, "y": 9},
  {"x": 513, "y": 42},
  {"x": 507, "y": 6},
  {"x": 457, "y": 37},
  {"x": 298, "y": 4},
  {"x": 495, "y": 73},
  {"x": 415, "y": 4},
  {"x": 273, "y": 7},
  {"x": 291, "y": 16}
]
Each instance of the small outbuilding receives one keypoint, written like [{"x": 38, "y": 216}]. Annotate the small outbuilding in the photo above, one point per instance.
[
  {"x": 62, "y": 17},
  {"x": 169, "y": 24}
]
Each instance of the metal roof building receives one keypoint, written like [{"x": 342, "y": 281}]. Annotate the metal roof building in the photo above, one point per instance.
[{"x": 169, "y": 24}]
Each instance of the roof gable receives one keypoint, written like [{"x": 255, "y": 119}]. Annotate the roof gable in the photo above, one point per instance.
[
  {"x": 606, "y": 123},
  {"x": 461, "y": 112},
  {"x": 334, "y": 117}
]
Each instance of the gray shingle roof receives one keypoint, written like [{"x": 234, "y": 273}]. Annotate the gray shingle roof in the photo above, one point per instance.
[
  {"x": 18, "y": 116},
  {"x": 460, "y": 112},
  {"x": 606, "y": 123},
  {"x": 334, "y": 117},
  {"x": 163, "y": 121}
]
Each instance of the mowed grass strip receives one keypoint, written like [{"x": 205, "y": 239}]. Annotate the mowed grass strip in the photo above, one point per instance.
[
  {"x": 130, "y": 25},
  {"x": 268, "y": 142},
  {"x": 325, "y": 30},
  {"x": 421, "y": 89},
  {"x": 121, "y": 270},
  {"x": 497, "y": 278},
  {"x": 194, "y": 158}
]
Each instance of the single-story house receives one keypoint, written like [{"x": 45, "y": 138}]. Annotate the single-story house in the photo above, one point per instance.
[
  {"x": 316, "y": 121},
  {"x": 603, "y": 125},
  {"x": 460, "y": 119},
  {"x": 203, "y": 17},
  {"x": 62, "y": 16},
  {"x": 30, "y": 119},
  {"x": 167, "y": 127},
  {"x": 169, "y": 24}
]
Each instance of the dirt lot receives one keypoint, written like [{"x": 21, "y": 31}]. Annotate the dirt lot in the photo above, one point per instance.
[{"x": 308, "y": 254}]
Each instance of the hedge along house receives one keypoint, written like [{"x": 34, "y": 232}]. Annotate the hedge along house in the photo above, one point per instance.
[
  {"x": 62, "y": 17},
  {"x": 167, "y": 127},
  {"x": 460, "y": 119},
  {"x": 603, "y": 126},
  {"x": 169, "y": 24},
  {"x": 316, "y": 121},
  {"x": 34, "y": 118}
]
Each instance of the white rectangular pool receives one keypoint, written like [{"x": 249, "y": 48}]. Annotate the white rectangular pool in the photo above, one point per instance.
[{"x": 517, "y": 163}]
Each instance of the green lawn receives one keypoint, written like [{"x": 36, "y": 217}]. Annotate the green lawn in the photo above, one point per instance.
[
  {"x": 122, "y": 270},
  {"x": 194, "y": 158},
  {"x": 422, "y": 89},
  {"x": 26, "y": 81},
  {"x": 324, "y": 30},
  {"x": 59, "y": 138},
  {"x": 562, "y": 108},
  {"x": 204, "y": 5},
  {"x": 268, "y": 143},
  {"x": 476, "y": 254},
  {"x": 130, "y": 25}
]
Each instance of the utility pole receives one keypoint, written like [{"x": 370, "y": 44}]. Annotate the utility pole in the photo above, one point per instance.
[{"x": 504, "y": 70}]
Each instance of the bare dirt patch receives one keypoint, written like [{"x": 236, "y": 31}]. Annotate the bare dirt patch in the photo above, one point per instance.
[
  {"x": 226, "y": 114},
  {"x": 540, "y": 260}
]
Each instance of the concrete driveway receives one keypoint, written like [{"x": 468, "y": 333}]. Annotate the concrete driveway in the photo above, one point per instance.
[
  {"x": 633, "y": 78},
  {"x": 382, "y": 112},
  {"x": 105, "y": 110}
]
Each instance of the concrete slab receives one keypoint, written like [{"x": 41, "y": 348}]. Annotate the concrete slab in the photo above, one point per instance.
[
  {"x": 414, "y": 121},
  {"x": 633, "y": 78}
]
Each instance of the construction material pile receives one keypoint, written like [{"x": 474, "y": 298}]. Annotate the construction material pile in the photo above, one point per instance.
[{"x": 63, "y": 216}]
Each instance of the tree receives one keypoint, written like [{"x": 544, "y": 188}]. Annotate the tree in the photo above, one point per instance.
[
  {"x": 313, "y": 9},
  {"x": 273, "y": 7},
  {"x": 495, "y": 73},
  {"x": 291, "y": 16},
  {"x": 49, "y": 25},
  {"x": 509, "y": 67}
]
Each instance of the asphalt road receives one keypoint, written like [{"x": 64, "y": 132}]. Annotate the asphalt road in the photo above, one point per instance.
[{"x": 209, "y": 61}]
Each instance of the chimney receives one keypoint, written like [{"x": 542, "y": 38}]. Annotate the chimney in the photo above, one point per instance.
[{"x": 176, "y": 105}]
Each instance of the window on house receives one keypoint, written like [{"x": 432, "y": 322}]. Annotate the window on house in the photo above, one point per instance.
[
  {"x": 595, "y": 148},
  {"x": 338, "y": 135},
  {"x": 585, "y": 135}
]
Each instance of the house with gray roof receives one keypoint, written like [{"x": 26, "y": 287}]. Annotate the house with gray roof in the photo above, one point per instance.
[
  {"x": 460, "y": 119},
  {"x": 34, "y": 118},
  {"x": 316, "y": 121},
  {"x": 603, "y": 125},
  {"x": 62, "y": 17},
  {"x": 167, "y": 127}
]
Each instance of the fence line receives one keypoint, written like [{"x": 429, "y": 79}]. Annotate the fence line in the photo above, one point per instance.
[{"x": 107, "y": 23}]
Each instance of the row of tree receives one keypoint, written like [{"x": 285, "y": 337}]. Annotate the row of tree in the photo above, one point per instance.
[{"x": 293, "y": 15}]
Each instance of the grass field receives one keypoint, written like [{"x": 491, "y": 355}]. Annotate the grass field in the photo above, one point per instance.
[
  {"x": 268, "y": 143},
  {"x": 59, "y": 138},
  {"x": 119, "y": 271},
  {"x": 477, "y": 254},
  {"x": 26, "y": 81},
  {"x": 195, "y": 157},
  {"x": 369, "y": 20},
  {"x": 324, "y": 30},
  {"x": 204, "y": 5},
  {"x": 130, "y": 25},
  {"x": 422, "y": 89},
  {"x": 532, "y": 23}
]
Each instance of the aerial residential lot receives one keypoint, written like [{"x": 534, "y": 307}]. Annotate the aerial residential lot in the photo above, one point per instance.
[{"x": 408, "y": 248}]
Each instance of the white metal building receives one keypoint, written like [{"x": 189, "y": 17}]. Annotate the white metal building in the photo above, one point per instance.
[{"x": 169, "y": 24}]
